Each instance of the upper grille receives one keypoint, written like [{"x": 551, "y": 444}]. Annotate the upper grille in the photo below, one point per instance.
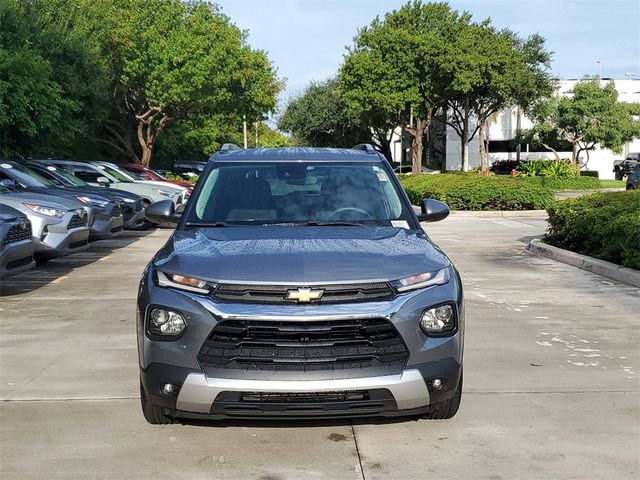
[
  {"x": 17, "y": 233},
  {"x": 77, "y": 221},
  {"x": 276, "y": 294},
  {"x": 138, "y": 205},
  {"x": 303, "y": 346},
  {"x": 116, "y": 211}
]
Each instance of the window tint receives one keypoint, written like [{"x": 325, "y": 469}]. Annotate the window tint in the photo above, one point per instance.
[
  {"x": 298, "y": 192},
  {"x": 88, "y": 174}
]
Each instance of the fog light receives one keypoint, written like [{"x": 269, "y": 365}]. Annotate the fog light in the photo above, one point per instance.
[
  {"x": 168, "y": 389},
  {"x": 438, "y": 321},
  {"x": 166, "y": 322},
  {"x": 435, "y": 384}
]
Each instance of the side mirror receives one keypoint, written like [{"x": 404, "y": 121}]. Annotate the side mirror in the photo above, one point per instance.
[
  {"x": 103, "y": 180},
  {"x": 162, "y": 212},
  {"x": 433, "y": 210},
  {"x": 8, "y": 183}
]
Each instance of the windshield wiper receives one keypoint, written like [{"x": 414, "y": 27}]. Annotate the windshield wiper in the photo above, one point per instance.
[
  {"x": 207, "y": 225},
  {"x": 334, "y": 224}
]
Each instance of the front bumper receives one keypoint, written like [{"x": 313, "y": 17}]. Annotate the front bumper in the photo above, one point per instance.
[
  {"x": 105, "y": 226},
  {"x": 16, "y": 257},
  {"x": 224, "y": 394}
]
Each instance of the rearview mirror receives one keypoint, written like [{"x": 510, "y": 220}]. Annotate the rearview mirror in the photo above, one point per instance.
[
  {"x": 433, "y": 210},
  {"x": 162, "y": 212},
  {"x": 8, "y": 183}
]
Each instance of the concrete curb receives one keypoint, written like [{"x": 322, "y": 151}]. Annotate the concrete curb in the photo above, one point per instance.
[
  {"x": 499, "y": 213},
  {"x": 493, "y": 213},
  {"x": 590, "y": 264}
]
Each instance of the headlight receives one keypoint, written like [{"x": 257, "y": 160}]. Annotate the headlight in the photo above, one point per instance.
[
  {"x": 92, "y": 201},
  {"x": 439, "y": 321},
  {"x": 421, "y": 280},
  {"x": 48, "y": 211},
  {"x": 163, "y": 192},
  {"x": 128, "y": 200},
  {"x": 183, "y": 282},
  {"x": 166, "y": 322}
]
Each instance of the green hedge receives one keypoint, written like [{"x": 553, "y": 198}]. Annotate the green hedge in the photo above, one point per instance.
[
  {"x": 474, "y": 192},
  {"x": 602, "y": 225},
  {"x": 564, "y": 183}
]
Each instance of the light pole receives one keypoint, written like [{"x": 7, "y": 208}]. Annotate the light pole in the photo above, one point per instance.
[{"x": 599, "y": 69}]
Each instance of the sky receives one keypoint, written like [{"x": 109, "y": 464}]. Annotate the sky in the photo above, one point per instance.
[{"x": 306, "y": 39}]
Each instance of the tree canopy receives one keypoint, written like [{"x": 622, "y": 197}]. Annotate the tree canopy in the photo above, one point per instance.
[
  {"x": 319, "y": 117},
  {"x": 141, "y": 67},
  {"x": 591, "y": 114}
]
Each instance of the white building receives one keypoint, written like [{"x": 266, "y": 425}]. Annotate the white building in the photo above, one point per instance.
[{"x": 502, "y": 129}]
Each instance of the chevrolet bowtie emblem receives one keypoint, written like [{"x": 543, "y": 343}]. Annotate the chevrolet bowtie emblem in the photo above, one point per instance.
[{"x": 304, "y": 295}]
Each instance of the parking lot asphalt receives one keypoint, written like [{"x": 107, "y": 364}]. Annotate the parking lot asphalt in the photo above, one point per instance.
[{"x": 551, "y": 379}]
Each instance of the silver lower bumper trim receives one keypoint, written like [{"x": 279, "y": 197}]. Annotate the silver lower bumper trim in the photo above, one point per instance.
[{"x": 198, "y": 392}]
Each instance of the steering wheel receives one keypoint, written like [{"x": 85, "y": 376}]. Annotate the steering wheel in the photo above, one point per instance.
[{"x": 350, "y": 209}]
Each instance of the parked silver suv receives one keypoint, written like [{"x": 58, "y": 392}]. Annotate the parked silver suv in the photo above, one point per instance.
[{"x": 59, "y": 226}]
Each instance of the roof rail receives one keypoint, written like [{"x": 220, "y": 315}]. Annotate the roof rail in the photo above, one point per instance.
[
  {"x": 228, "y": 147},
  {"x": 366, "y": 147}
]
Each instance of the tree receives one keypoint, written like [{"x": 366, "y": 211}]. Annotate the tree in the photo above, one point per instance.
[
  {"x": 51, "y": 81},
  {"x": 495, "y": 70},
  {"x": 319, "y": 117},
  {"x": 171, "y": 62},
  {"x": 397, "y": 70},
  {"x": 591, "y": 115}
]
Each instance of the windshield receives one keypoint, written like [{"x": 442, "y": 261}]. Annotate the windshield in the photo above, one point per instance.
[
  {"x": 28, "y": 177},
  {"x": 299, "y": 193},
  {"x": 117, "y": 174},
  {"x": 69, "y": 178}
]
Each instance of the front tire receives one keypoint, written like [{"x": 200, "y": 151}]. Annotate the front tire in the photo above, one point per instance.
[
  {"x": 447, "y": 408},
  {"x": 152, "y": 413}
]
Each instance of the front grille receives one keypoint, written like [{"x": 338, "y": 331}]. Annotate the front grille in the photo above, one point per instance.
[
  {"x": 311, "y": 397},
  {"x": 276, "y": 294},
  {"x": 19, "y": 263},
  {"x": 18, "y": 233},
  {"x": 77, "y": 221},
  {"x": 303, "y": 346},
  {"x": 139, "y": 205},
  {"x": 127, "y": 210},
  {"x": 116, "y": 211}
]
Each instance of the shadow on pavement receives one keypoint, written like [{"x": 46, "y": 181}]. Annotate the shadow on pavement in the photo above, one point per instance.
[
  {"x": 43, "y": 274},
  {"x": 298, "y": 423}
]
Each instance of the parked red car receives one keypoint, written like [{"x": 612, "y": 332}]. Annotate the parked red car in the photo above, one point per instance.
[{"x": 149, "y": 174}]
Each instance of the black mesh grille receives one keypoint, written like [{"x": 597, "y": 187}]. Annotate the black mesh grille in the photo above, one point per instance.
[
  {"x": 277, "y": 294},
  {"x": 78, "y": 221},
  {"x": 302, "y": 346},
  {"x": 116, "y": 211},
  {"x": 139, "y": 205},
  {"x": 17, "y": 233}
]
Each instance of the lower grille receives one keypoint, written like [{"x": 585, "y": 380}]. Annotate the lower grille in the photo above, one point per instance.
[
  {"x": 277, "y": 294},
  {"x": 19, "y": 263},
  {"x": 314, "y": 397},
  {"x": 77, "y": 221},
  {"x": 17, "y": 233},
  {"x": 303, "y": 346},
  {"x": 81, "y": 243}
]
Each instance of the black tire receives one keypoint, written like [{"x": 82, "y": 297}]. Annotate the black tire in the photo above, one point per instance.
[
  {"x": 448, "y": 408},
  {"x": 153, "y": 414},
  {"x": 630, "y": 187}
]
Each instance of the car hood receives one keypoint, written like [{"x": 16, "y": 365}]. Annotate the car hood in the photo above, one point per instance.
[
  {"x": 299, "y": 255},
  {"x": 7, "y": 213},
  {"x": 162, "y": 185},
  {"x": 70, "y": 193},
  {"x": 18, "y": 199}
]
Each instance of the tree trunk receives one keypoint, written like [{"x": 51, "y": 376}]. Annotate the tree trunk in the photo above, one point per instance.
[
  {"x": 574, "y": 154},
  {"x": 417, "y": 145},
  {"x": 484, "y": 147},
  {"x": 518, "y": 128},
  {"x": 464, "y": 142}
]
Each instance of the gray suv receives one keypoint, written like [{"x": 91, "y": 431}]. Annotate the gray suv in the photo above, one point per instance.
[{"x": 299, "y": 283}]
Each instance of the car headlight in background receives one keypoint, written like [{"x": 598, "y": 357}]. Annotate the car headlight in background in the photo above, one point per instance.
[
  {"x": 92, "y": 201},
  {"x": 48, "y": 211},
  {"x": 166, "y": 322},
  {"x": 439, "y": 321},
  {"x": 421, "y": 280},
  {"x": 182, "y": 282},
  {"x": 166, "y": 193},
  {"x": 128, "y": 200}
]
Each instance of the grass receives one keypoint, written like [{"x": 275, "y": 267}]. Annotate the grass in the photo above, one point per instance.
[{"x": 612, "y": 183}]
